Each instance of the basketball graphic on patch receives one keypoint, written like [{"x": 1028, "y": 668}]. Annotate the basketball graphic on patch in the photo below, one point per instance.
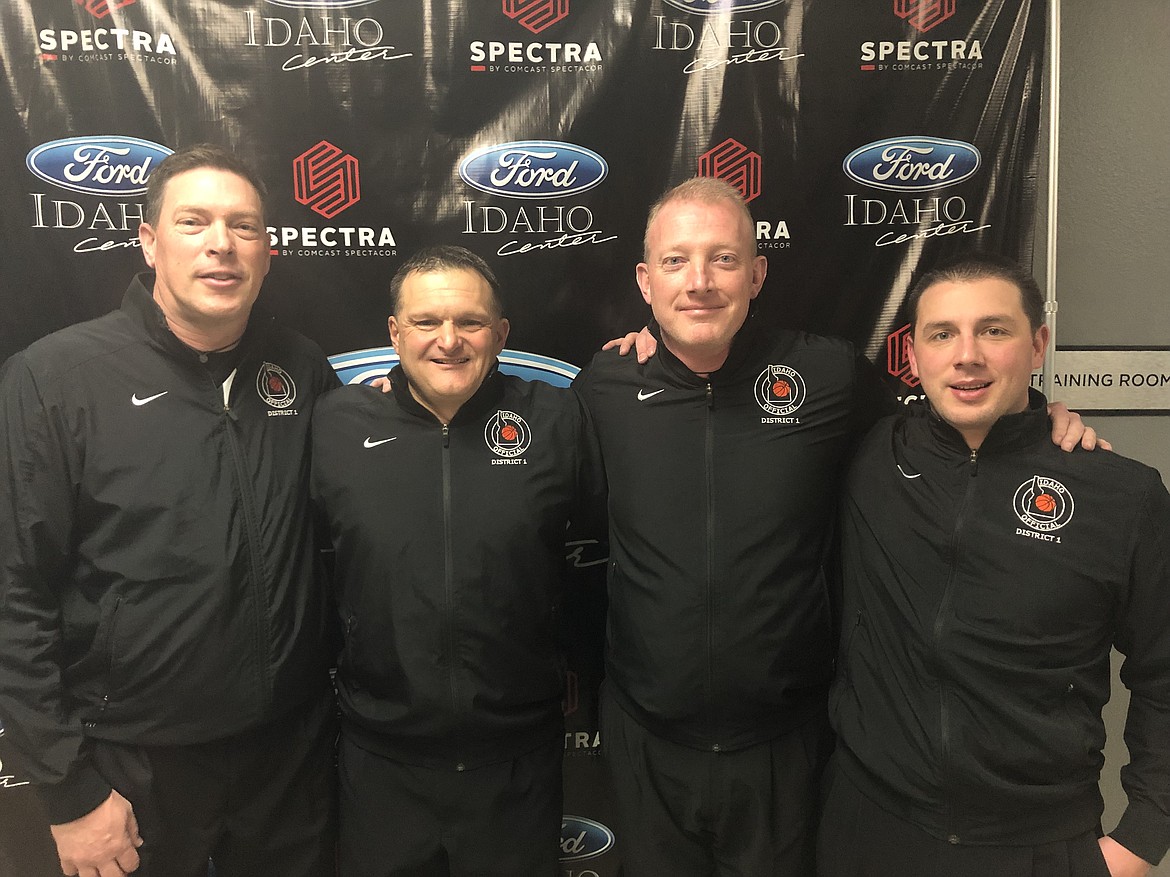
[
  {"x": 275, "y": 386},
  {"x": 780, "y": 390},
  {"x": 507, "y": 434},
  {"x": 1044, "y": 504}
]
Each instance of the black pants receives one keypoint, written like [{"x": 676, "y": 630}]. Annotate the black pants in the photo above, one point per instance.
[
  {"x": 262, "y": 802},
  {"x": 692, "y": 813},
  {"x": 499, "y": 820},
  {"x": 860, "y": 839}
]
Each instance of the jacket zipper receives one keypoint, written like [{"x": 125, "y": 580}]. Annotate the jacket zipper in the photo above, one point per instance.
[
  {"x": 449, "y": 573},
  {"x": 940, "y": 623},
  {"x": 709, "y": 451},
  {"x": 256, "y": 587},
  {"x": 108, "y": 648}
]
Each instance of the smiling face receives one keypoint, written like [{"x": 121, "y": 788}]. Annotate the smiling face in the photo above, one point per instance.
[
  {"x": 209, "y": 250},
  {"x": 974, "y": 351},
  {"x": 700, "y": 275},
  {"x": 447, "y": 333}
]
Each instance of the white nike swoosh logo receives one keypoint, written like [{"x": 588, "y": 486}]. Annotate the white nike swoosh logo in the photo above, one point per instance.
[
  {"x": 643, "y": 396},
  {"x": 370, "y": 443},
  {"x": 138, "y": 401},
  {"x": 903, "y": 471}
]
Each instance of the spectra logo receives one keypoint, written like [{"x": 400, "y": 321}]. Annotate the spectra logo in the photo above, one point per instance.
[
  {"x": 102, "y": 8},
  {"x": 533, "y": 169},
  {"x": 100, "y": 165},
  {"x": 536, "y": 15},
  {"x": 780, "y": 390},
  {"x": 897, "y": 358},
  {"x": 583, "y": 838},
  {"x": 734, "y": 163},
  {"x": 507, "y": 434},
  {"x": 912, "y": 164},
  {"x": 326, "y": 180},
  {"x": 1044, "y": 504},
  {"x": 717, "y": 7},
  {"x": 922, "y": 15}
]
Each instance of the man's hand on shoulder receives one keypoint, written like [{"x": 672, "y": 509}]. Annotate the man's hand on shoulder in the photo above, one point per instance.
[
  {"x": 382, "y": 384},
  {"x": 1121, "y": 862},
  {"x": 1068, "y": 430},
  {"x": 103, "y": 842},
  {"x": 645, "y": 343}
]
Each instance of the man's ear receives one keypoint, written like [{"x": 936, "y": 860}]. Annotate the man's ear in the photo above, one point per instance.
[
  {"x": 1039, "y": 346},
  {"x": 642, "y": 272},
  {"x": 147, "y": 238}
]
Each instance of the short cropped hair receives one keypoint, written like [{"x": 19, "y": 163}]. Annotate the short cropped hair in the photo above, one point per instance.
[
  {"x": 975, "y": 266},
  {"x": 445, "y": 257},
  {"x": 704, "y": 190},
  {"x": 190, "y": 158}
]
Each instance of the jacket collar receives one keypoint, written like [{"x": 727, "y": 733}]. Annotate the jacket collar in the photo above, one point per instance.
[
  {"x": 743, "y": 344},
  {"x": 1011, "y": 432},
  {"x": 139, "y": 305},
  {"x": 488, "y": 396}
]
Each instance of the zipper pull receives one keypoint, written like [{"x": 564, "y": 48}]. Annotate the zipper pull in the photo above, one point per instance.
[
  {"x": 446, "y": 436},
  {"x": 974, "y": 461},
  {"x": 710, "y": 396}
]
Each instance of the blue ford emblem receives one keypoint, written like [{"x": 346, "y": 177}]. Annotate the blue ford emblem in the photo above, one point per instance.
[
  {"x": 533, "y": 169},
  {"x": 97, "y": 165},
  {"x": 912, "y": 164}
]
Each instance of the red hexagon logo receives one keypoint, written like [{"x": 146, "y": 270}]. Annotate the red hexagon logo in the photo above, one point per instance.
[
  {"x": 326, "y": 180},
  {"x": 102, "y": 8},
  {"x": 897, "y": 359},
  {"x": 924, "y": 14},
  {"x": 536, "y": 15},
  {"x": 734, "y": 163}
]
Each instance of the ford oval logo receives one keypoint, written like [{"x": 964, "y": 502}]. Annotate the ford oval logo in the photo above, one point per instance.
[
  {"x": 583, "y": 838},
  {"x": 533, "y": 169},
  {"x": 912, "y": 164},
  {"x": 97, "y": 165},
  {"x": 714, "y": 7}
]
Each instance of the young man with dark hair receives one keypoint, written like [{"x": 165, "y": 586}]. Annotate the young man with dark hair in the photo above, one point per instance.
[{"x": 987, "y": 575}]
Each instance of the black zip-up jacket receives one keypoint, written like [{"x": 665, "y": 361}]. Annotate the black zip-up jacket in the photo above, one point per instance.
[
  {"x": 722, "y": 493},
  {"x": 982, "y": 594},
  {"x": 157, "y": 567},
  {"x": 450, "y": 563}
]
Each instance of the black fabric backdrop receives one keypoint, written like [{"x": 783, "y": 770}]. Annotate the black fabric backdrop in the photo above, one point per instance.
[{"x": 871, "y": 136}]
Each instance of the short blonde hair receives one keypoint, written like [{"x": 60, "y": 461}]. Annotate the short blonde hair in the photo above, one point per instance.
[{"x": 704, "y": 190}]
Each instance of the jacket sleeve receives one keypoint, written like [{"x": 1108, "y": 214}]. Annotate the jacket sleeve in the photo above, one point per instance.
[
  {"x": 37, "y": 510},
  {"x": 1143, "y": 636}
]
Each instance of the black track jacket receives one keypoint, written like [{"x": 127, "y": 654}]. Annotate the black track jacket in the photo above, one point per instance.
[
  {"x": 450, "y": 562},
  {"x": 982, "y": 595},
  {"x": 157, "y": 579},
  {"x": 722, "y": 493}
]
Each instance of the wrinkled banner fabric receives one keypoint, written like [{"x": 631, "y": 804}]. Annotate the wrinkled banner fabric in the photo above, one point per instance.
[{"x": 870, "y": 138}]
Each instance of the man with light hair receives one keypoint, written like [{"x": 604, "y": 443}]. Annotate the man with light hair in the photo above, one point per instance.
[{"x": 724, "y": 455}]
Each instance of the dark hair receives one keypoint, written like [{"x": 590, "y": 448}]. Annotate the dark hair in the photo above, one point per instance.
[
  {"x": 702, "y": 190},
  {"x": 974, "y": 266},
  {"x": 445, "y": 257},
  {"x": 190, "y": 158}
]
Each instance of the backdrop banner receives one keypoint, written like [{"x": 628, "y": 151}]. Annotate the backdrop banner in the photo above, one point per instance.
[{"x": 869, "y": 137}]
